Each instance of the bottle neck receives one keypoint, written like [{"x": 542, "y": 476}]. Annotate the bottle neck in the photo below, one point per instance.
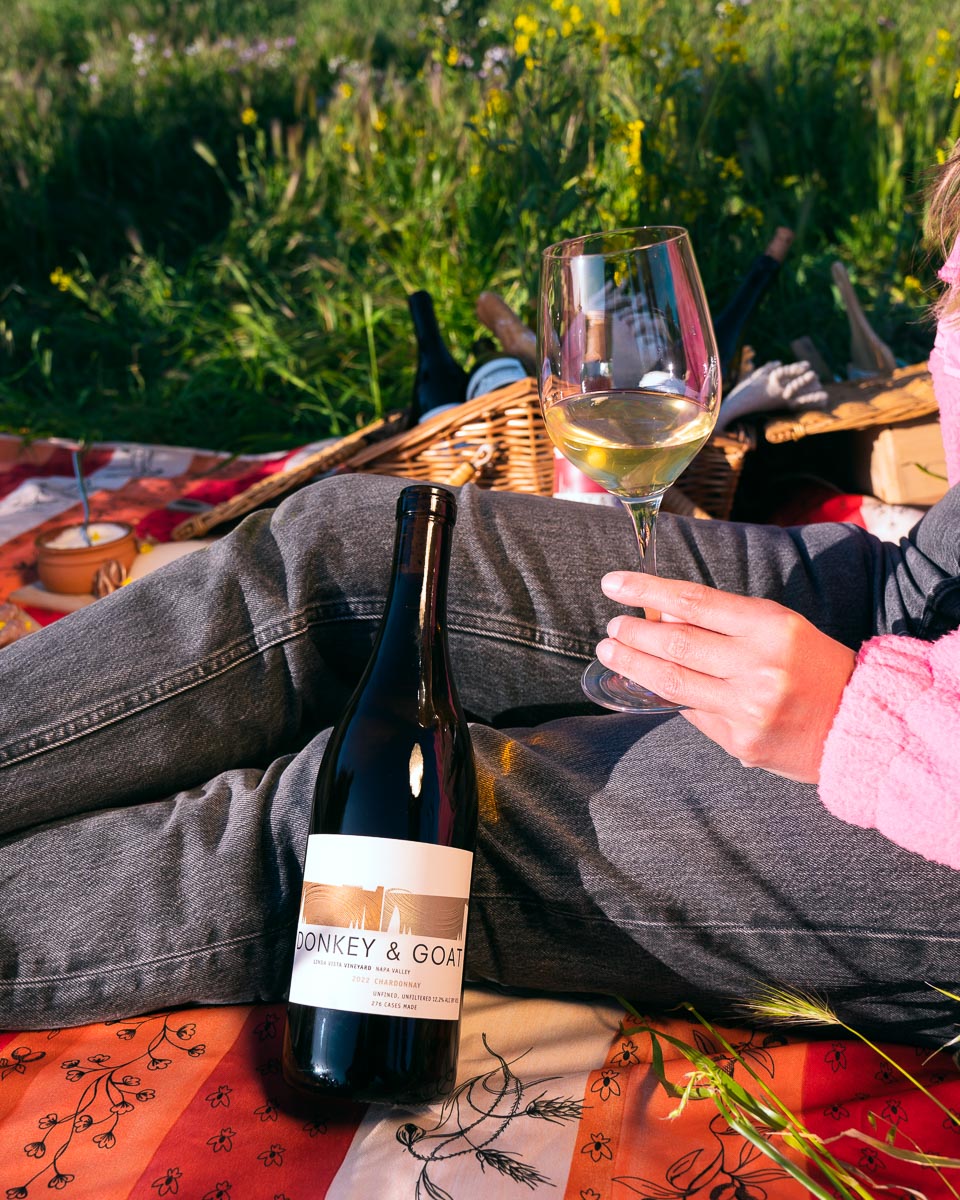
[
  {"x": 412, "y": 638},
  {"x": 424, "y": 318}
]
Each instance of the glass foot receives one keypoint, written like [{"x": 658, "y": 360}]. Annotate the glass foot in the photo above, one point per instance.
[{"x": 607, "y": 688}]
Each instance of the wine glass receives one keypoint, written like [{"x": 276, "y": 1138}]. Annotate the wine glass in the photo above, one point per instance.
[{"x": 629, "y": 383}]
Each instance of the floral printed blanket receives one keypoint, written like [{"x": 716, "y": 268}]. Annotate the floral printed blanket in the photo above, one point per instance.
[
  {"x": 153, "y": 488},
  {"x": 555, "y": 1098}
]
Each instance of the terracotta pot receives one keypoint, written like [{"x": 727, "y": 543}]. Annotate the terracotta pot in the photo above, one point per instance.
[{"x": 71, "y": 569}]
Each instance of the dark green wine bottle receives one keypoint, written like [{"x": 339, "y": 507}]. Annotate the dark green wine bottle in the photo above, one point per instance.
[
  {"x": 376, "y": 988},
  {"x": 440, "y": 381}
]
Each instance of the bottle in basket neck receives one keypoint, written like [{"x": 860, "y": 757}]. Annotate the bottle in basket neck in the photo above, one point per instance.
[
  {"x": 376, "y": 987},
  {"x": 440, "y": 381}
]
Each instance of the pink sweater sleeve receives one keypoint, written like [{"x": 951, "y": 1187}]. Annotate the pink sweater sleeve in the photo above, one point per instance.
[{"x": 892, "y": 759}]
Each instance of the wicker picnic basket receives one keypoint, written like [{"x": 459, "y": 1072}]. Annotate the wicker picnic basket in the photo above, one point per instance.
[{"x": 498, "y": 441}]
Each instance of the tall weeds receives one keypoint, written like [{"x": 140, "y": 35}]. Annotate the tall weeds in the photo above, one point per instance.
[{"x": 210, "y": 214}]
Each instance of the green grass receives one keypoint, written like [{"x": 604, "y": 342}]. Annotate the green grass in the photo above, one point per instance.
[{"x": 233, "y": 199}]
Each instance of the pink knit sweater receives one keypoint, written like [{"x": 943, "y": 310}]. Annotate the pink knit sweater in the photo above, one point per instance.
[{"x": 892, "y": 758}]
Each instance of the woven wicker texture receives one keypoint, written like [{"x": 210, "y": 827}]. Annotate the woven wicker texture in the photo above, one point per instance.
[
  {"x": 880, "y": 400},
  {"x": 498, "y": 441}
]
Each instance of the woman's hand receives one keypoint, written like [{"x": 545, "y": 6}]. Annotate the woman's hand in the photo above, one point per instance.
[{"x": 756, "y": 677}]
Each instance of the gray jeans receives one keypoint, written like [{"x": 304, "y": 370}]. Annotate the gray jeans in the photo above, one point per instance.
[{"x": 158, "y": 748}]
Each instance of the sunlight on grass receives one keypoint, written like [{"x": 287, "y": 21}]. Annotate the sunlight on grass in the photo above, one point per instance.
[{"x": 209, "y": 225}]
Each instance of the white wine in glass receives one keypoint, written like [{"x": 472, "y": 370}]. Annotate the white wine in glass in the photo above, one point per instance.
[{"x": 629, "y": 382}]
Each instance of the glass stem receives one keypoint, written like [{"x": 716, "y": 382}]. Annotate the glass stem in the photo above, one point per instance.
[{"x": 643, "y": 512}]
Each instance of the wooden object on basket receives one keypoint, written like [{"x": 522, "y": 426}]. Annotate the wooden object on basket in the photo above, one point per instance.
[
  {"x": 902, "y": 395},
  {"x": 274, "y": 486},
  {"x": 515, "y": 337},
  {"x": 868, "y": 352},
  {"x": 497, "y": 441}
]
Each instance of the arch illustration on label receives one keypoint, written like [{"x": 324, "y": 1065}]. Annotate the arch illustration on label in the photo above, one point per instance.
[
  {"x": 424, "y": 916},
  {"x": 397, "y": 910}
]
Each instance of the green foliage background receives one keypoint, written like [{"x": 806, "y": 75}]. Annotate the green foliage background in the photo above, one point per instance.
[{"x": 211, "y": 212}]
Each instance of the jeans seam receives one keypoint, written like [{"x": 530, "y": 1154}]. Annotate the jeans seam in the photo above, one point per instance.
[
  {"x": 520, "y": 635},
  {"x": 722, "y": 926},
  {"x": 121, "y": 707},
  {"x": 236, "y": 654},
  {"x": 139, "y": 964}
]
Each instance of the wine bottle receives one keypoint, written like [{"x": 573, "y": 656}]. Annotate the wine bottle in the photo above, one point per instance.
[
  {"x": 729, "y": 326},
  {"x": 440, "y": 381},
  {"x": 376, "y": 985}
]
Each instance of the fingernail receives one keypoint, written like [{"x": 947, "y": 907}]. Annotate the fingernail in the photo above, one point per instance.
[
  {"x": 605, "y": 651},
  {"x": 612, "y": 583},
  {"x": 613, "y": 627}
]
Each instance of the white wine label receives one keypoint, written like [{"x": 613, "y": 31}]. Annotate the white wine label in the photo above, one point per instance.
[{"x": 382, "y": 927}]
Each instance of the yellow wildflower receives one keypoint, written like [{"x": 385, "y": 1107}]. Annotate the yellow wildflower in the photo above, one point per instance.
[
  {"x": 566, "y": 28},
  {"x": 614, "y": 7},
  {"x": 575, "y": 14},
  {"x": 345, "y": 91},
  {"x": 521, "y": 44},
  {"x": 59, "y": 278},
  {"x": 474, "y": 170},
  {"x": 524, "y": 23},
  {"x": 379, "y": 122},
  {"x": 956, "y": 89},
  {"x": 634, "y": 145},
  {"x": 249, "y": 116},
  {"x": 453, "y": 56},
  {"x": 496, "y": 103},
  {"x": 347, "y": 147},
  {"x": 529, "y": 63},
  {"x": 943, "y": 35}
]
